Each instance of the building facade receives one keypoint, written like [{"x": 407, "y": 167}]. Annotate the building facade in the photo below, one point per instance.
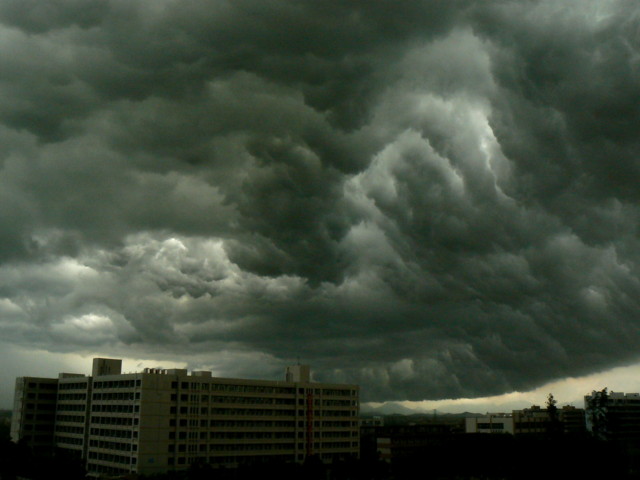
[
  {"x": 394, "y": 442},
  {"x": 530, "y": 421},
  {"x": 614, "y": 416},
  {"x": 160, "y": 420},
  {"x": 34, "y": 412},
  {"x": 490, "y": 423}
]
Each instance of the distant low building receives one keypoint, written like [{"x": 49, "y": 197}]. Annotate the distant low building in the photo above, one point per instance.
[
  {"x": 572, "y": 419},
  {"x": 490, "y": 423},
  {"x": 392, "y": 442},
  {"x": 529, "y": 421},
  {"x": 374, "y": 421},
  {"x": 532, "y": 420}
]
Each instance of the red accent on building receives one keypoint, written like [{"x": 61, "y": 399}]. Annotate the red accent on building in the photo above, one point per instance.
[{"x": 309, "y": 423}]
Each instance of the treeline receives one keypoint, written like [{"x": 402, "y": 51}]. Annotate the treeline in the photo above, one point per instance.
[
  {"x": 311, "y": 469},
  {"x": 17, "y": 460},
  {"x": 460, "y": 457},
  {"x": 524, "y": 457}
]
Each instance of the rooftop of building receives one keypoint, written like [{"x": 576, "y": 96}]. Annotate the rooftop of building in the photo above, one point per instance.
[{"x": 104, "y": 367}]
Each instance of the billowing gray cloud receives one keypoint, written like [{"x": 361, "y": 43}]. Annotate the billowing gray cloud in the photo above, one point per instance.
[{"x": 432, "y": 199}]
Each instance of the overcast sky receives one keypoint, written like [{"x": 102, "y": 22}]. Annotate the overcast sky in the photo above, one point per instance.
[{"x": 433, "y": 199}]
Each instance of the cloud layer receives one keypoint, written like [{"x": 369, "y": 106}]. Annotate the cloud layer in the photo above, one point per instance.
[{"x": 431, "y": 199}]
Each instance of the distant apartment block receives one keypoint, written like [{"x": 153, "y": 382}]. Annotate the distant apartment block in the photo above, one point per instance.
[
  {"x": 161, "y": 420},
  {"x": 393, "y": 442},
  {"x": 34, "y": 412},
  {"x": 374, "y": 421},
  {"x": 614, "y": 416},
  {"x": 533, "y": 420},
  {"x": 490, "y": 423},
  {"x": 572, "y": 419}
]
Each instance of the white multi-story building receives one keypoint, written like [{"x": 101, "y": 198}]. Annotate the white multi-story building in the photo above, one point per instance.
[
  {"x": 160, "y": 420},
  {"x": 490, "y": 423}
]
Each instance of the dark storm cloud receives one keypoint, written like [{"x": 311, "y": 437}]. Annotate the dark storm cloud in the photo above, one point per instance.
[{"x": 433, "y": 199}]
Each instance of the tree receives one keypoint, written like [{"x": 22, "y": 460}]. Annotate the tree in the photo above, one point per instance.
[
  {"x": 313, "y": 468},
  {"x": 597, "y": 414},
  {"x": 554, "y": 427}
]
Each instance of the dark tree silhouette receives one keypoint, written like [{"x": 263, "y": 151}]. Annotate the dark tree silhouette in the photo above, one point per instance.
[
  {"x": 597, "y": 414},
  {"x": 554, "y": 427},
  {"x": 200, "y": 470}
]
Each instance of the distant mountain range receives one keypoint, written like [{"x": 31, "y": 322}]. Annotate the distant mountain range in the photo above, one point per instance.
[
  {"x": 388, "y": 408},
  {"x": 392, "y": 408}
]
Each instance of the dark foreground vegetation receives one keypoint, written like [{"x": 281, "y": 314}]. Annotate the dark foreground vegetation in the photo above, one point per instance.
[
  {"x": 312, "y": 469},
  {"x": 458, "y": 457},
  {"x": 485, "y": 456},
  {"x": 461, "y": 457},
  {"x": 18, "y": 461}
]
